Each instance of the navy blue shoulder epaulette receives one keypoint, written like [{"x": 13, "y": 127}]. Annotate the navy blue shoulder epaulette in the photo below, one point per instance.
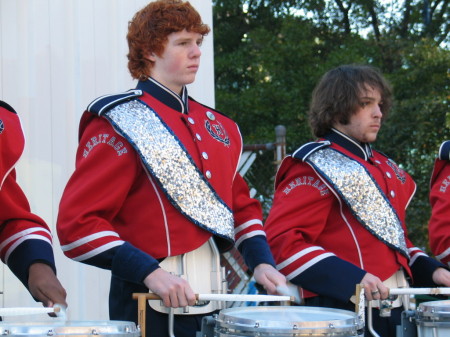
[
  {"x": 105, "y": 103},
  {"x": 7, "y": 107},
  {"x": 305, "y": 150},
  {"x": 444, "y": 151}
]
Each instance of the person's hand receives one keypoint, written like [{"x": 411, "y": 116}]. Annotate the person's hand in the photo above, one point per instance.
[
  {"x": 269, "y": 278},
  {"x": 374, "y": 289},
  {"x": 174, "y": 291},
  {"x": 44, "y": 285},
  {"x": 441, "y": 277}
]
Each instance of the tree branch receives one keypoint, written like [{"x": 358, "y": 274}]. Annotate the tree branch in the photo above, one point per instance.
[
  {"x": 375, "y": 23},
  {"x": 405, "y": 21},
  {"x": 344, "y": 11}
]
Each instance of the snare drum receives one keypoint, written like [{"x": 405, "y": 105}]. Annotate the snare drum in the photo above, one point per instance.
[
  {"x": 287, "y": 321},
  {"x": 433, "y": 319},
  {"x": 70, "y": 328}
]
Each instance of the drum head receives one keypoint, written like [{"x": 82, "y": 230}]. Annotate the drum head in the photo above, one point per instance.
[
  {"x": 301, "y": 321},
  {"x": 69, "y": 328}
]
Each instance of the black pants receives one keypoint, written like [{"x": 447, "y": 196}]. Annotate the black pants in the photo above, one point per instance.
[
  {"x": 384, "y": 326},
  {"x": 123, "y": 307}
]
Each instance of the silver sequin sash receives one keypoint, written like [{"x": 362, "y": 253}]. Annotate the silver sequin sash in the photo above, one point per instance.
[
  {"x": 362, "y": 194},
  {"x": 167, "y": 160}
]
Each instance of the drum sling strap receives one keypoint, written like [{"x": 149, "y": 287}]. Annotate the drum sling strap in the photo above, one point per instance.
[
  {"x": 165, "y": 157},
  {"x": 362, "y": 195}
]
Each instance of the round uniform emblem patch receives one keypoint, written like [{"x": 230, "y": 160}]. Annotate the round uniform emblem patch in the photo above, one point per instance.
[
  {"x": 397, "y": 170},
  {"x": 217, "y": 131},
  {"x": 2, "y": 126}
]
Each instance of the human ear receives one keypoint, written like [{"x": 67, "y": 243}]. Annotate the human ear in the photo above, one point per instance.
[{"x": 151, "y": 57}]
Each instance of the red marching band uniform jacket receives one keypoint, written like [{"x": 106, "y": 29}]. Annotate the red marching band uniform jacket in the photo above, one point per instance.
[
  {"x": 113, "y": 202},
  {"x": 317, "y": 240},
  {"x": 24, "y": 237},
  {"x": 439, "y": 224}
]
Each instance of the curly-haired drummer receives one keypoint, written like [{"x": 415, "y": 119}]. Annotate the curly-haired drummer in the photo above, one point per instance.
[
  {"x": 338, "y": 217},
  {"x": 156, "y": 194}
]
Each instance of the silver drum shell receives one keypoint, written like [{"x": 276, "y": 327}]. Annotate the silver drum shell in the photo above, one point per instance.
[
  {"x": 287, "y": 321},
  {"x": 70, "y": 328},
  {"x": 433, "y": 319}
]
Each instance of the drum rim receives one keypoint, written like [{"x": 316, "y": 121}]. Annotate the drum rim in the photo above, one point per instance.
[
  {"x": 67, "y": 322},
  {"x": 434, "y": 309},
  {"x": 347, "y": 324},
  {"x": 110, "y": 327}
]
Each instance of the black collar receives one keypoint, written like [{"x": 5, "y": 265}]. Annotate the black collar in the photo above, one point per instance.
[
  {"x": 165, "y": 95},
  {"x": 362, "y": 150}
]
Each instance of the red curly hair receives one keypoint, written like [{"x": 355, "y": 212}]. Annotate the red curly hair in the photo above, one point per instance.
[{"x": 149, "y": 28}]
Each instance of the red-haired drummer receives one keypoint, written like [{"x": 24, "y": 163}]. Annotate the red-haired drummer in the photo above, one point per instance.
[{"x": 156, "y": 194}]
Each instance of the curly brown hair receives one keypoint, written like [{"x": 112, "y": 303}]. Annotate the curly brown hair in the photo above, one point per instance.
[
  {"x": 337, "y": 96},
  {"x": 149, "y": 28}
]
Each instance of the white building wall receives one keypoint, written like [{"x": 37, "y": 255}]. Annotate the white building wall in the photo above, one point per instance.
[{"x": 56, "y": 56}]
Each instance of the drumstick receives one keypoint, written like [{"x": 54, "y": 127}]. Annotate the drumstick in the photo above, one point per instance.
[
  {"x": 243, "y": 298},
  {"x": 419, "y": 291},
  {"x": 232, "y": 297},
  {"x": 142, "y": 297},
  {"x": 28, "y": 311}
]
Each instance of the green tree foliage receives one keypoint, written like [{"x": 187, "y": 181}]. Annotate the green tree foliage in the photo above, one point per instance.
[{"x": 269, "y": 54}]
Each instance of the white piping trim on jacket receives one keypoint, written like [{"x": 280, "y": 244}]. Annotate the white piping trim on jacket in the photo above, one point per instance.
[
  {"x": 412, "y": 195},
  {"x": 444, "y": 254},
  {"x": 20, "y": 156},
  {"x": 297, "y": 256},
  {"x": 416, "y": 255},
  {"x": 22, "y": 239},
  {"x": 246, "y": 225},
  {"x": 353, "y": 142},
  {"x": 310, "y": 263},
  {"x": 98, "y": 250},
  {"x": 249, "y": 235},
  {"x": 236, "y": 170},
  {"x": 24, "y": 233},
  {"x": 87, "y": 239},
  {"x": 163, "y": 211},
  {"x": 177, "y": 97}
]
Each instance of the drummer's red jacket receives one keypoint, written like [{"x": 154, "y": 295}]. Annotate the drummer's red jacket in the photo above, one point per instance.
[
  {"x": 439, "y": 224},
  {"x": 114, "y": 215},
  {"x": 317, "y": 241},
  {"x": 24, "y": 237}
]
